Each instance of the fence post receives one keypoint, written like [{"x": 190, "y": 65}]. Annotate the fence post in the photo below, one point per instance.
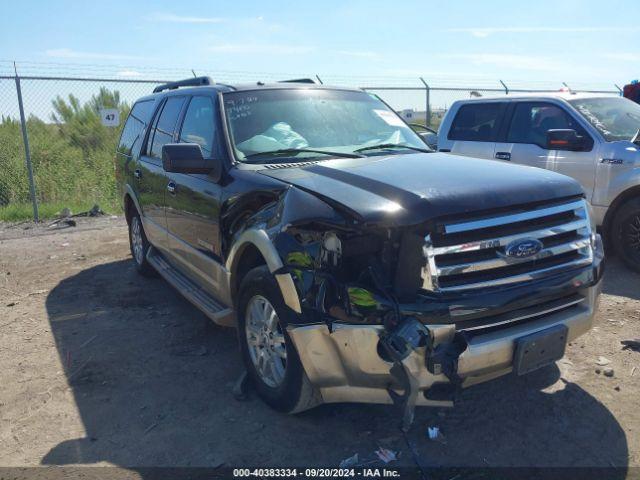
[
  {"x": 428, "y": 102},
  {"x": 27, "y": 151}
]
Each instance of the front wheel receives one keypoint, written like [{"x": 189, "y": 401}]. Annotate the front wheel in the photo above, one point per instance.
[
  {"x": 267, "y": 351},
  {"x": 626, "y": 233}
]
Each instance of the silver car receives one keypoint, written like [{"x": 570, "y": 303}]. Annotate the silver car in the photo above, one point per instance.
[{"x": 591, "y": 138}]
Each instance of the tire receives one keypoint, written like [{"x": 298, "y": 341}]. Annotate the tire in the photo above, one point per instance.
[
  {"x": 281, "y": 381},
  {"x": 625, "y": 233},
  {"x": 139, "y": 247}
]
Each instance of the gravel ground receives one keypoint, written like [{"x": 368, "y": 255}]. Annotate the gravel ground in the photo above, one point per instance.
[{"x": 103, "y": 367}]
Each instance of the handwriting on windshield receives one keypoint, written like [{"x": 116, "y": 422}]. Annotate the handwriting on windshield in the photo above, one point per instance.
[
  {"x": 594, "y": 120},
  {"x": 240, "y": 108}
]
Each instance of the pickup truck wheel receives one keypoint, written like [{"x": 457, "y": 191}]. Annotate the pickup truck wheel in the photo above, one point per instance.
[
  {"x": 267, "y": 351},
  {"x": 626, "y": 233},
  {"x": 139, "y": 247}
]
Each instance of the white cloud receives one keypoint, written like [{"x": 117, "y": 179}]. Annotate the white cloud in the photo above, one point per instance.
[
  {"x": 171, "y": 18},
  {"x": 260, "y": 48},
  {"x": 69, "y": 53},
  {"x": 129, "y": 73},
  {"x": 622, "y": 56},
  {"x": 518, "y": 62},
  {"x": 358, "y": 54},
  {"x": 483, "y": 32}
]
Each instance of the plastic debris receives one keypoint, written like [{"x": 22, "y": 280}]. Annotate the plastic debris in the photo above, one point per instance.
[
  {"x": 386, "y": 455},
  {"x": 349, "y": 462},
  {"x": 433, "y": 432},
  {"x": 602, "y": 361},
  {"x": 241, "y": 387}
]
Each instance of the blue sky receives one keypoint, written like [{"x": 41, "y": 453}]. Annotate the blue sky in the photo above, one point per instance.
[{"x": 446, "y": 42}]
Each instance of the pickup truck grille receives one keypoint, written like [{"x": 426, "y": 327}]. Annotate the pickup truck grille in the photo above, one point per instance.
[{"x": 479, "y": 253}]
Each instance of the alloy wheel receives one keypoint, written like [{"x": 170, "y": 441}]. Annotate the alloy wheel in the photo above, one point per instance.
[
  {"x": 265, "y": 340},
  {"x": 137, "y": 243}
]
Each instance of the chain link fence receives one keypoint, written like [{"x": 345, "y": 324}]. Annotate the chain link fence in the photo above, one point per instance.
[{"x": 72, "y": 151}]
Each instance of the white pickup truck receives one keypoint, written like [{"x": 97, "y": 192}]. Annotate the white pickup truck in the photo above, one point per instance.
[{"x": 591, "y": 138}]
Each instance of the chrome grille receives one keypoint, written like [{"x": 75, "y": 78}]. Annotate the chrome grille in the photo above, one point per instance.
[{"x": 472, "y": 254}]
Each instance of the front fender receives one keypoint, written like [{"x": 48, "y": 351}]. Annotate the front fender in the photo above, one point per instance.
[{"x": 259, "y": 238}]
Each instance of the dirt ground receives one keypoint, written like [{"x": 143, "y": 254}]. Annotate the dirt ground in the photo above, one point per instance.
[{"x": 99, "y": 366}]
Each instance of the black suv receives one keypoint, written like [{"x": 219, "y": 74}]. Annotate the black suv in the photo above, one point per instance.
[{"x": 356, "y": 264}]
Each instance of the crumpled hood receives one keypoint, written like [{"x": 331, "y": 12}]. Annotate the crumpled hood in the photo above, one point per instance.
[{"x": 413, "y": 188}]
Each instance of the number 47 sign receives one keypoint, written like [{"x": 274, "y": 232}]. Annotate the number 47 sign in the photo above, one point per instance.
[{"x": 110, "y": 117}]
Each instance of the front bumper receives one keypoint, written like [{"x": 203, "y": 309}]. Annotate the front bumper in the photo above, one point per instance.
[{"x": 345, "y": 364}]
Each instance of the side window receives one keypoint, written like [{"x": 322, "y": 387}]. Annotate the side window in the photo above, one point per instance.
[
  {"x": 531, "y": 120},
  {"x": 199, "y": 125},
  {"x": 136, "y": 122},
  {"x": 165, "y": 126},
  {"x": 477, "y": 122}
]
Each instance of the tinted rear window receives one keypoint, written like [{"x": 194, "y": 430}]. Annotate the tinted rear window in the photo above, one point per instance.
[
  {"x": 132, "y": 132},
  {"x": 477, "y": 122},
  {"x": 166, "y": 125}
]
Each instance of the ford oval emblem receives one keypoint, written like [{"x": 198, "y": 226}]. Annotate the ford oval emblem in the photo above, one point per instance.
[{"x": 523, "y": 248}]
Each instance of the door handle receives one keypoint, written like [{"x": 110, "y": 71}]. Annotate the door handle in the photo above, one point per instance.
[
  {"x": 137, "y": 173},
  {"x": 171, "y": 187},
  {"x": 445, "y": 150},
  {"x": 503, "y": 155}
]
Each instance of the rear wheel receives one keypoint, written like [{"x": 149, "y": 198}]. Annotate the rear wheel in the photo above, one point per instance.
[
  {"x": 139, "y": 246},
  {"x": 625, "y": 233},
  {"x": 267, "y": 351}
]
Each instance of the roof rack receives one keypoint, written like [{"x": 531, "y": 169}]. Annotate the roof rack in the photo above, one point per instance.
[
  {"x": 189, "y": 82},
  {"x": 298, "y": 80}
]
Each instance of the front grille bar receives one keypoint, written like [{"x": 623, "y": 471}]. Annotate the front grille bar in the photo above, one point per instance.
[
  {"x": 503, "y": 241},
  {"x": 506, "y": 261},
  {"x": 520, "y": 315},
  {"x": 512, "y": 218},
  {"x": 568, "y": 246}
]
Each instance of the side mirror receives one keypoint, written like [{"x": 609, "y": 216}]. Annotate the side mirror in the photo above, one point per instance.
[
  {"x": 430, "y": 138},
  {"x": 188, "y": 158},
  {"x": 565, "y": 139}
]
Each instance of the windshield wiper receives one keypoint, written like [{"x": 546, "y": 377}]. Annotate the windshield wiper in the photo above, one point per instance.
[
  {"x": 392, "y": 145},
  {"x": 636, "y": 138},
  {"x": 289, "y": 151}
]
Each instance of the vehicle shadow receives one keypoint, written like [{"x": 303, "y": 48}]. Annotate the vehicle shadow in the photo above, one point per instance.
[
  {"x": 619, "y": 280},
  {"x": 152, "y": 379}
]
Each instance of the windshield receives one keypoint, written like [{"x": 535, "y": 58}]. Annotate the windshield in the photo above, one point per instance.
[
  {"x": 281, "y": 124},
  {"x": 615, "y": 118}
]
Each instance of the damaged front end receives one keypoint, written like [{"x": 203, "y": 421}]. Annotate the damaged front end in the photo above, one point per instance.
[
  {"x": 374, "y": 323},
  {"x": 355, "y": 282}
]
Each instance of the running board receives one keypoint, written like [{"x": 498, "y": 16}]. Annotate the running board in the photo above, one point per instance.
[{"x": 220, "y": 314}]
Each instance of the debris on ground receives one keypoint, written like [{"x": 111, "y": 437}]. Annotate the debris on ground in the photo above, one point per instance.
[
  {"x": 241, "y": 387},
  {"x": 37, "y": 292},
  {"x": 190, "y": 351},
  {"x": 602, "y": 361},
  {"x": 150, "y": 427},
  {"x": 608, "y": 372},
  {"x": 631, "y": 345},
  {"x": 349, "y": 462},
  {"x": 433, "y": 432},
  {"x": 65, "y": 217},
  {"x": 386, "y": 455}
]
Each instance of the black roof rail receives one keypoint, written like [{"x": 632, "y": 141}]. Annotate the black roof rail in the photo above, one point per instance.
[
  {"x": 298, "y": 80},
  {"x": 189, "y": 82}
]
